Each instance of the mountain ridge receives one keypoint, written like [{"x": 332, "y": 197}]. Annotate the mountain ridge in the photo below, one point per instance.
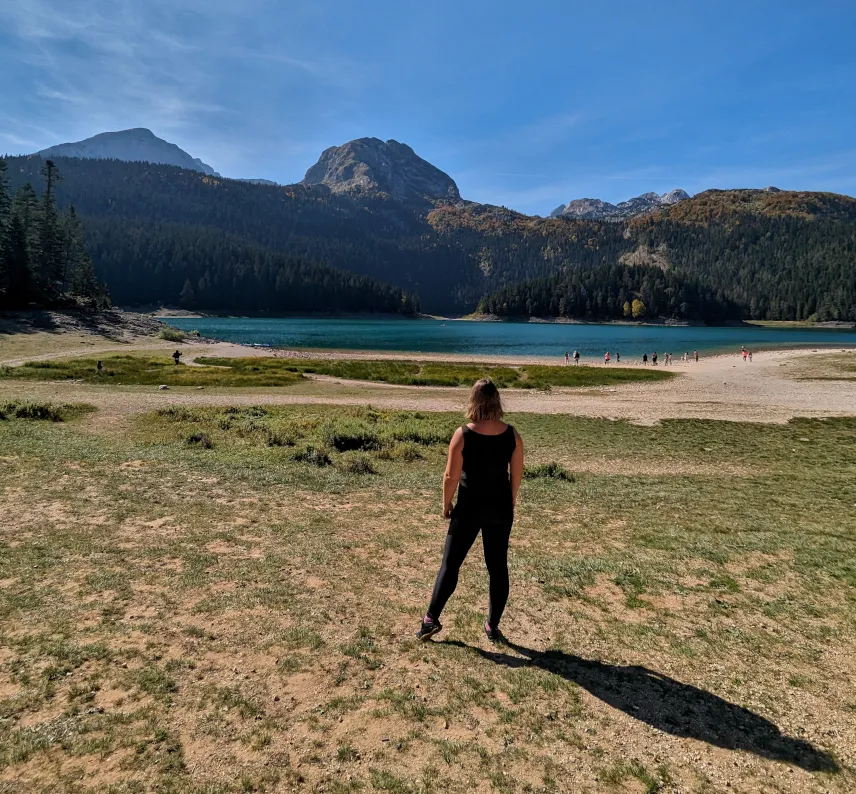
[
  {"x": 137, "y": 144},
  {"x": 596, "y": 209},
  {"x": 773, "y": 254}
]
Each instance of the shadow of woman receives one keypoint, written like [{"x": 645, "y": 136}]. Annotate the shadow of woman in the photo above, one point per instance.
[{"x": 669, "y": 705}]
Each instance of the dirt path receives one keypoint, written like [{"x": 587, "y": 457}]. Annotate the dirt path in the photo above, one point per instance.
[{"x": 722, "y": 387}]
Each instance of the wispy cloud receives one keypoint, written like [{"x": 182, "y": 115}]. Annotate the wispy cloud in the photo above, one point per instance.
[
  {"x": 551, "y": 130},
  {"x": 107, "y": 63}
]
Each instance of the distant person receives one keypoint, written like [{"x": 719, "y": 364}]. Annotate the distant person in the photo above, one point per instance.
[
  {"x": 750, "y": 356},
  {"x": 617, "y": 357},
  {"x": 176, "y": 356},
  {"x": 485, "y": 465},
  {"x": 645, "y": 359},
  {"x": 745, "y": 354},
  {"x": 99, "y": 366},
  {"x": 576, "y": 358},
  {"x": 567, "y": 358},
  {"x": 606, "y": 357},
  {"x": 695, "y": 353},
  {"x": 654, "y": 359}
]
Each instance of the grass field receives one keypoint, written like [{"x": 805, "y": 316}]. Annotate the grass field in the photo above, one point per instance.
[
  {"x": 830, "y": 366},
  {"x": 154, "y": 370},
  {"x": 219, "y": 600}
]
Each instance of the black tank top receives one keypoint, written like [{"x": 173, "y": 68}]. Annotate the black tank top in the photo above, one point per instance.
[{"x": 484, "y": 490}]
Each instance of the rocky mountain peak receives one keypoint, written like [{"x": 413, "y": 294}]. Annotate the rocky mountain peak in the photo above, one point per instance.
[
  {"x": 674, "y": 196},
  {"x": 135, "y": 145},
  {"x": 595, "y": 209},
  {"x": 372, "y": 165}
]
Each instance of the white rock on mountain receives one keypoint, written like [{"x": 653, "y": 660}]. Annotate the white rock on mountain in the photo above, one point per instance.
[
  {"x": 135, "y": 145},
  {"x": 674, "y": 196},
  {"x": 369, "y": 164},
  {"x": 595, "y": 209},
  {"x": 586, "y": 209}
]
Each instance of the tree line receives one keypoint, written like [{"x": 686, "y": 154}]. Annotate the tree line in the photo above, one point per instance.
[
  {"x": 367, "y": 235},
  {"x": 147, "y": 258},
  {"x": 151, "y": 228},
  {"x": 203, "y": 268},
  {"x": 610, "y": 292},
  {"x": 43, "y": 255}
]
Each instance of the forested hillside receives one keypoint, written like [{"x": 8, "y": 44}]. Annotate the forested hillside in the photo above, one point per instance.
[
  {"x": 749, "y": 254},
  {"x": 758, "y": 255},
  {"x": 370, "y": 235},
  {"x": 610, "y": 292},
  {"x": 153, "y": 241}
]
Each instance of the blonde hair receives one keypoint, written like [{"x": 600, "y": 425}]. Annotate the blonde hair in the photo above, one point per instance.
[{"x": 484, "y": 403}]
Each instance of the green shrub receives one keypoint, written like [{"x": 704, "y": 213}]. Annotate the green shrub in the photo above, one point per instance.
[
  {"x": 200, "y": 440},
  {"x": 178, "y": 413},
  {"x": 421, "y": 431},
  {"x": 312, "y": 455},
  {"x": 172, "y": 334},
  {"x": 407, "y": 452},
  {"x": 359, "y": 464},
  {"x": 548, "y": 471},
  {"x": 347, "y": 436},
  {"x": 30, "y": 410},
  {"x": 279, "y": 439}
]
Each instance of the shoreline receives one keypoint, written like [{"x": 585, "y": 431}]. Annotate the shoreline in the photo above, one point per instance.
[{"x": 180, "y": 314}]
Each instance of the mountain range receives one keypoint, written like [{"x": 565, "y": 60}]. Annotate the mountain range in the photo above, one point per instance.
[
  {"x": 376, "y": 210},
  {"x": 362, "y": 165},
  {"x": 595, "y": 209}
]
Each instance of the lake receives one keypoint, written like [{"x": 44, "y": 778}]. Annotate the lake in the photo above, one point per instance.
[{"x": 550, "y": 340}]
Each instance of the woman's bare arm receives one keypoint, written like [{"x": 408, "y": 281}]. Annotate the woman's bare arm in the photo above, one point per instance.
[
  {"x": 516, "y": 467},
  {"x": 454, "y": 464}
]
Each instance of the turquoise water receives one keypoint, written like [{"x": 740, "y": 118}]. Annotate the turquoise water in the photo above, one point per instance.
[{"x": 550, "y": 340}]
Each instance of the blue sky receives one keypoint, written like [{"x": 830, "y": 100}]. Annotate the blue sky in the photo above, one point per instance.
[{"x": 526, "y": 104}]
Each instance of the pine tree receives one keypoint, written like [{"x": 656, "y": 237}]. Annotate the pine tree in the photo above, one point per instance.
[
  {"x": 17, "y": 261},
  {"x": 25, "y": 207},
  {"x": 78, "y": 272},
  {"x": 49, "y": 257},
  {"x": 187, "y": 299}
]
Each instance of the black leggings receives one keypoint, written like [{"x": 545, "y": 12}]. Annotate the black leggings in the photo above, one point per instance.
[{"x": 462, "y": 535}]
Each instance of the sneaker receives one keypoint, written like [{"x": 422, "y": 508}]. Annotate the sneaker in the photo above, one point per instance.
[
  {"x": 493, "y": 634},
  {"x": 428, "y": 629}
]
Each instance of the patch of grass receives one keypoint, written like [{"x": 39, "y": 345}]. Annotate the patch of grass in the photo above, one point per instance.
[
  {"x": 352, "y": 438},
  {"x": 345, "y": 436},
  {"x": 172, "y": 334},
  {"x": 314, "y": 456},
  {"x": 359, "y": 464},
  {"x": 200, "y": 440},
  {"x": 47, "y": 412},
  {"x": 347, "y": 754},
  {"x": 553, "y": 470},
  {"x": 128, "y": 370}
]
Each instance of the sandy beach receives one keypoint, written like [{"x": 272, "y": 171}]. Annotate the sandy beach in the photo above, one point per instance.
[{"x": 769, "y": 389}]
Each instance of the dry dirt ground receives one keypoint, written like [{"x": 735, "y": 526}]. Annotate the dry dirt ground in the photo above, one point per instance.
[{"x": 190, "y": 621}]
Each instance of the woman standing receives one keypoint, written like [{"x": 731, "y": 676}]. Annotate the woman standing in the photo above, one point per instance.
[{"x": 485, "y": 465}]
